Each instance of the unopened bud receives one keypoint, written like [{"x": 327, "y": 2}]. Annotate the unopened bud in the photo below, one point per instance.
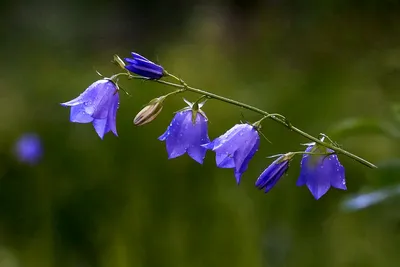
[{"x": 149, "y": 112}]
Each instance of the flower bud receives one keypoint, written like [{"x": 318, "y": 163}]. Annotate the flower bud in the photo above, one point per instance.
[{"x": 149, "y": 112}]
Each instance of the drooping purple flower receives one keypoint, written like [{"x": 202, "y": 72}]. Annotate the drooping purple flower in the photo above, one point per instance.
[
  {"x": 271, "y": 175},
  {"x": 98, "y": 104},
  {"x": 28, "y": 149},
  {"x": 144, "y": 67},
  {"x": 236, "y": 148},
  {"x": 186, "y": 134},
  {"x": 320, "y": 172}
]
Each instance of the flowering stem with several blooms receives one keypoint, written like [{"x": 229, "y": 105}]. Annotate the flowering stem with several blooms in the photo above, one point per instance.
[
  {"x": 275, "y": 117},
  {"x": 188, "y": 131}
]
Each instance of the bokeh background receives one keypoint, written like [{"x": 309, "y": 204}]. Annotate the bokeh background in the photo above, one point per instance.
[{"x": 330, "y": 66}]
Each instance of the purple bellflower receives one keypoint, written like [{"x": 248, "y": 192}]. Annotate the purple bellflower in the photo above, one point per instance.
[
  {"x": 236, "y": 148},
  {"x": 98, "y": 104},
  {"x": 144, "y": 67},
  {"x": 187, "y": 131},
  {"x": 271, "y": 175},
  {"x": 320, "y": 172},
  {"x": 28, "y": 149}
]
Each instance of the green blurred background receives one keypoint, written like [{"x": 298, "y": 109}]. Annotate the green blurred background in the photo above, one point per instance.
[{"x": 120, "y": 202}]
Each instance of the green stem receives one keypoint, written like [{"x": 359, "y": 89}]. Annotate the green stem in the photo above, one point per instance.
[
  {"x": 279, "y": 119},
  {"x": 312, "y": 153},
  {"x": 174, "y": 92}
]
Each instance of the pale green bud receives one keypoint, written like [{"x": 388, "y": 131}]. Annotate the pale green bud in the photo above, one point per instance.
[{"x": 149, "y": 112}]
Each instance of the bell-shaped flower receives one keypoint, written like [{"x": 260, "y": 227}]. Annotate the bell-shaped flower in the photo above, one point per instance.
[
  {"x": 320, "y": 172},
  {"x": 271, "y": 175},
  {"x": 236, "y": 148},
  {"x": 28, "y": 149},
  {"x": 98, "y": 104},
  {"x": 144, "y": 67},
  {"x": 187, "y": 131}
]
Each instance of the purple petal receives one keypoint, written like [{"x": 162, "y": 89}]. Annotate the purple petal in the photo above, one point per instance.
[
  {"x": 145, "y": 68},
  {"x": 175, "y": 145},
  {"x": 227, "y": 144},
  {"x": 87, "y": 96},
  {"x": 136, "y": 55},
  {"x": 197, "y": 153},
  {"x": 164, "y": 136},
  {"x": 318, "y": 187},
  {"x": 301, "y": 181},
  {"x": 304, "y": 170},
  {"x": 268, "y": 173},
  {"x": 335, "y": 171},
  {"x": 130, "y": 60},
  {"x": 276, "y": 177},
  {"x": 79, "y": 115},
  {"x": 95, "y": 99},
  {"x": 238, "y": 176},
  {"x": 272, "y": 182},
  {"x": 338, "y": 181},
  {"x": 198, "y": 135},
  {"x": 218, "y": 142},
  {"x": 112, "y": 115},
  {"x": 209, "y": 145},
  {"x": 100, "y": 125},
  {"x": 103, "y": 101},
  {"x": 247, "y": 151},
  {"x": 225, "y": 160}
]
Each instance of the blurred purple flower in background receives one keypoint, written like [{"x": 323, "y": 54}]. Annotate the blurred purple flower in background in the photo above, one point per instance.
[
  {"x": 28, "y": 149},
  {"x": 98, "y": 104},
  {"x": 187, "y": 134},
  {"x": 144, "y": 67},
  {"x": 236, "y": 148},
  {"x": 320, "y": 172}
]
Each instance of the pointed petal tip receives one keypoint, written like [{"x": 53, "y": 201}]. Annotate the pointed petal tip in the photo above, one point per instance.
[
  {"x": 267, "y": 190},
  {"x": 198, "y": 160},
  {"x": 172, "y": 156},
  {"x": 101, "y": 136},
  {"x": 66, "y": 104},
  {"x": 318, "y": 195},
  {"x": 238, "y": 176},
  {"x": 197, "y": 153}
]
